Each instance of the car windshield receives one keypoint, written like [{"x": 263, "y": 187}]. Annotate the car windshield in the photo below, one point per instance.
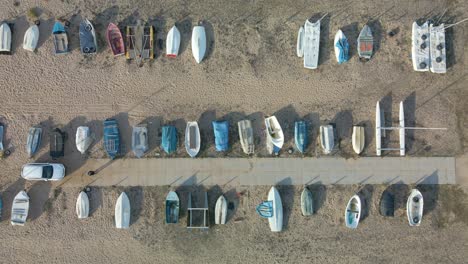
[{"x": 47, "y": 172}]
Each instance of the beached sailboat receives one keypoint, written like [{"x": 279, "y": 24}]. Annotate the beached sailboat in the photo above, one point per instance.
[
  {"x": 415, "y": 207},
  {"x": 221, "y": 133},
  {"x": 172, "y": 208},
  {"x": 246, "y": 136},
  {"x": 122, "y": 212},
  {"x": 198, "y": 43},
  {"x": 60, "y": 39},
  {"x": 82, "y": 206},
  {"x": 169, "y": 139},
  {"x": 341, "y": 47},
  {"x": 115, "y": 40},
  {"x": 365, "y": 43},
  {"x": 275, "y": 136},
  {"x": 140, "y": 40},
  {"x": 173, "y": 42},
  {"x": 311, "y": 44},
  {"x": 420, "y": 45},
  {"x": 301, "y": 138},
  {"x": 358, "y": 139},
  {"x": 83, "y": 139},
  {"x": 31, "y": 37},
  {"x": 353, "y": 212},
  {"x": 20, "y": 209},
  {"x": 5, "y": 38},
  {"x": 111, "y": 137},
  {"x": 327, "y": 138},
  {"x": 221, "y": 210},
  {"x": 192, "y": 138},
  {"x": 140, "y": 140},
  {"x": 438, "y": 49},
  {"x": 34, "y": 140},
  {"x": 88, "y": 43}
]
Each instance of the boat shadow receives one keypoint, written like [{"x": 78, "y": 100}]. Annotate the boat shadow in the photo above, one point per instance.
[
  {"x": 351, "y": 32},
  {"x": 259, "y": 134},
  {"x": 206, "y": 132},
  {"x": 429, "y": 188},
  {"x": 210, "y": 39},
  {"x": 287, "y": 193},
  {"x": 18, "y": 27},
  {"x": 366, "y": 194},
  {"x": 95, "y": 199},
  {"x": 286, "y": 117},
  {"x": 313, "y": 122},
  {"x": 40, "y": 201},
  {"x": 409, "y": 105},
  {"x": 319, "y": 195},
  {"x": 343, "y": 124},
  {"x": 136, "y": 197},
  {"x": 45, "y": 30},
  {"x": 377, "y": 34},
  {"x": 324, "y": 46},
  {"x": 159, "y": 26},
  {"x": 185, "y": 29},
  {"x": 154, "y": 125}
]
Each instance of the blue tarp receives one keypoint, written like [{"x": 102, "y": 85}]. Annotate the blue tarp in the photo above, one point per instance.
[
  {"x": 300, "y": 135},
  {"x": 265, "y": 209},
  {"x": 111, "y": 137},
  {"x": 58, "y": 28},
  {"x": 221, "y": 132},
  {"x": 169, "y": 139},
  {"x": 343, "y": 46}
]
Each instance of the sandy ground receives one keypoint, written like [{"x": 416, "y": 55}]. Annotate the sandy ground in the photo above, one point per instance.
[{"x": 250, "y": 71}]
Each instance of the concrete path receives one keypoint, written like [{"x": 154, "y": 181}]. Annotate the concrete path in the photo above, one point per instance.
[{"x": 264, "y": 171}]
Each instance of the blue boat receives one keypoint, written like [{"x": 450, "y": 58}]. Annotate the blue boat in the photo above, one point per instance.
[
  {"x": 169, "y": 139},
  {"x": 60, "y": 39},
  {"x": 300, "y": 136},
  {"x": 341, "y": 47},
  {"x": 221, "y": 133},
  {"x": 111, "y": 137}
]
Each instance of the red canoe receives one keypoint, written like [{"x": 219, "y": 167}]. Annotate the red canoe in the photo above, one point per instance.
[{"x": 115, "y": 40}]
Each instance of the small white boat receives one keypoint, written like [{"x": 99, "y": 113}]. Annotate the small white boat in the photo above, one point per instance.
[
  {"x": 82, "y": 206},
  {"x": 307, "y": 203},
  {"x": 246, "y": 136},
  {"x": 173, "y": 42},
  {"x": 122, "y": 212},
  {"x": 20, "y": 209},
  {"x": 221, "y": 211},
  {"x": 341, "y": 46},
  {"x": 83, "y": 139},
  {"x": 31, "y": 37},
  {"x": 327, "y": 138},
  {"x": 198, "y": 43},
  {"x": 140, "y": 140},
  {"x": 276, "y": 222},
  {"x": 402, "y": 130},
  {"x": 365, "y": 43},
  {"x": 378, "y": 131},
  {"x": 359, "y": 139},
  {"x": 438, "y": 49},
  {"x": 5, "y": 38},
  {"x": 420, "y": 46},
  {"x": 311, "y": 44},
  {"x": 275, "y": 136},
  {"x": 353, "y": 212},
  {"x": 414, "y": 207},
  {"x": 300, "y": 42},
  {"x": 192, "y": 138}
]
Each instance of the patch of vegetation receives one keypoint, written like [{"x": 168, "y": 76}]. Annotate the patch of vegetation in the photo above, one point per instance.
[{"x": 33, "y": 13}]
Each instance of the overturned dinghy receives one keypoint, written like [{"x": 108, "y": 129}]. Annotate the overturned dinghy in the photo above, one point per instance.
[
  {"x": 307, "y": 202},
  {"x": 122, "y": 212},
  {"x": 275, "y": 136},
  {"x": 365, "y": 43},
  {"x": 173, "y": 42},
  {"x": 353, "y": 212},
  {"x": 82, "y": 206},
  {"x": 341, "y": 47},
  {"x": 5, "y": 38},
  {"x": 311, "y": 44},
  {"x": 140, "y": 40},
  {"x": 31, "y": 37},
  {"x": 140, "y": 140},
  {"x": 20, "y": 209},
  {"x": 34, "y": 140},
  {"x": 359, "y": 139},
  {"x": 414, "y": 207},
  {"x": 60, "y": 39},
  {"x": 115, "y": 40},
  {"x": 57, "y": 144},
  {"x": 327, "y": 138},
  {"x": 88, "y": 44},
  {"x": 169, "y": 139},
  {"x": 198, "y": 43},
  {"x": 111, "y": 137},
  {"x": 192, "y": 138},
  {"x": 438, "y": 49},
  {"x": 300, "y": 136},
  {"x": 221, "y": 133},
  {"x": 273, "y": 210},
  {"x": 83, "y": 139},
  {"x": 221, "y": 210},
  {"x": 246, "y": 136},
  {"x": 420, "y": 45},
  {"x": 172, "y": 208}
]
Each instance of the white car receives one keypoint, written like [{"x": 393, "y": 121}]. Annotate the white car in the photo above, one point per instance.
[{"x": 43, "y": 171}]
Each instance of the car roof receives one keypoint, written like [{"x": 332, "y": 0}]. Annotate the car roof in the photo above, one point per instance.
[{"x": 33, "y": 171}]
